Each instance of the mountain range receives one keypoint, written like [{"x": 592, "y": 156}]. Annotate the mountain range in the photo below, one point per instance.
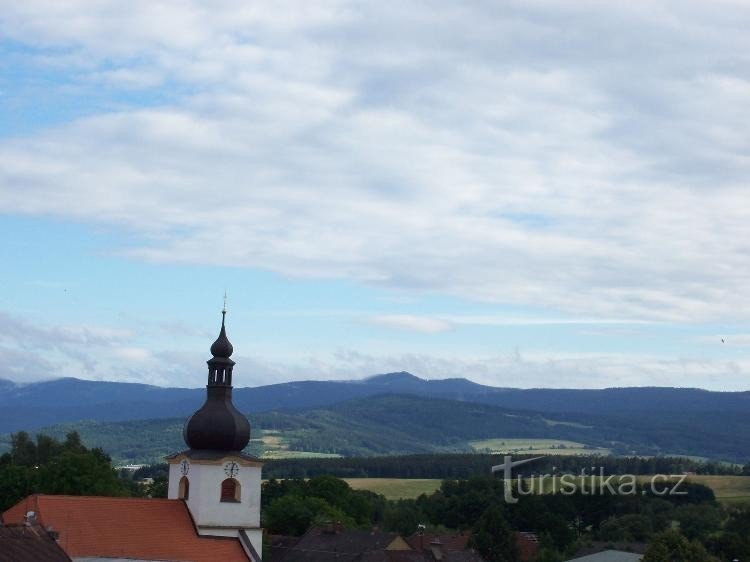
[
  {"x": 392, "y": 413},
  {"x": 34, "y": 405}
]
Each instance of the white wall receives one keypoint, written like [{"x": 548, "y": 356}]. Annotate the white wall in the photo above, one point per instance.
[{"x": 209, "y": 513}]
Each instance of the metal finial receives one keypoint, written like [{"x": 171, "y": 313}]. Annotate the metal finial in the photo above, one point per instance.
[{"x": 224, "y": 310}]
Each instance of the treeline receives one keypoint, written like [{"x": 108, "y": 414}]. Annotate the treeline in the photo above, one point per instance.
[
  {"x": 564, "y": 523},
  {"x": 49, "y": 466},
  {"x": 454, "y": 466}
]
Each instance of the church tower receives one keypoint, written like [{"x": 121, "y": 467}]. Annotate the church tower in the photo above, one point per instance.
[{"x": 219, "y": 483}]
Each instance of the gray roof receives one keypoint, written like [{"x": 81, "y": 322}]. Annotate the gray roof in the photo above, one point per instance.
[
  {"x": 29, "y": 543},
  {"x": 610, "y": 556}
]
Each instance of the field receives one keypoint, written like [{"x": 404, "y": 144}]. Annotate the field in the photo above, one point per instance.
[
  {"x": 728, "y": 489},
  {"x": 396, "y": 488},
  {"x": 275, "y": 446},
  {"x": 503, "y": 445}
]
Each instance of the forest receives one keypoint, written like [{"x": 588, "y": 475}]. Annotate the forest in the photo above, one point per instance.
[{"x": 691, "y": 527}]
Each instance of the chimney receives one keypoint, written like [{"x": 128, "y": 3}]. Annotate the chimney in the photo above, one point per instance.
[{"x": 437, "y": 549}]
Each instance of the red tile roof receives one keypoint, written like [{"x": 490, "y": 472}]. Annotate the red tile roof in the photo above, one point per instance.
[{"x": 126, "y": 528}]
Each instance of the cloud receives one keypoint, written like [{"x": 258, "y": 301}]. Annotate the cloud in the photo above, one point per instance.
[
  {"x": 410, "y": 322},
  {"x": 31, "y": 352},
  {"x": 134, "y": 354},
  {"x": 512, "y": 370},
  {"x": 580, "y": 158},
  {"x": 434, "y": 323},
  {"x": 729, "y": 340}
]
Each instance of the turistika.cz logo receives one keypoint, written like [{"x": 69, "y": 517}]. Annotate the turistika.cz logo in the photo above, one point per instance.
[{"x": 586, "y": 483}]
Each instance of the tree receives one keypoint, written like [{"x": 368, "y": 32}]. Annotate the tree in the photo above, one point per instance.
[
  {"x": 630, "y": 527},
  {"x": 403, "y": 517},
  {"x": 23, "y": 449},
  {"x": 51, "y": 467},
  {"x": 158, "y": 488},
  {"x": 15, "y": 483},
  {"x": 493, "y": 537},
  {"x": 293, "y": 514},
  {"x": 672, "y": 546}
]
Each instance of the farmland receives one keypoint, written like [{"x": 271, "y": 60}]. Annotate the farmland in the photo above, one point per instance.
[
  {"x": 507, "y": 445},
  {"x": 728, "y": 489}
]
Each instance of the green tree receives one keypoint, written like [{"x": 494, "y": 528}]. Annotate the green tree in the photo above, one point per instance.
[
  {"x": 158, "y": 488},
  {"x": 15, "y": 483},
  {"x": 630, "y": 527},
  {"x": 403, "y": 517},
  {"x": 293, "y": 514},
  {"x": 50, "y": 467},
  {"x": 672, "y": 546},
  {"x": 493, "y": 537},
  {"x": 23, "y": 449},
  {"x": 88, "y": 473}
]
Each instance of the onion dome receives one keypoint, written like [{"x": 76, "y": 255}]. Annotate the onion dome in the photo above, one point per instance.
[
  {"x": 222, "y": 347},
  {"x": 218, "y": 425}
]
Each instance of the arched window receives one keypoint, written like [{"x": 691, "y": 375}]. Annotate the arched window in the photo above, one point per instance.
[
  {"x": 230, "y": 490},
  {"x": 184, "y": 491}
]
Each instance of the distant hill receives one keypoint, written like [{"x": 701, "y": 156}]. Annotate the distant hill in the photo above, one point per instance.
[
  {"x": 397, "y": 424},
  {"x": 35, "y": 405}
]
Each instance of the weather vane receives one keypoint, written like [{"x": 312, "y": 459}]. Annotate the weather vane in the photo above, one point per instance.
[{"x": 224, "y": 310}]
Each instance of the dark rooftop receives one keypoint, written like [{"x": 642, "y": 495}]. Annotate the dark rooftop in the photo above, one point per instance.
[{"x": 29, "y": 543}]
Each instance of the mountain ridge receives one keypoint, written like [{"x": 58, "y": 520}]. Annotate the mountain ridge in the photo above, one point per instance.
[
  {"x": 33, "y": 405},
  {"x": 387, "y": 424}
]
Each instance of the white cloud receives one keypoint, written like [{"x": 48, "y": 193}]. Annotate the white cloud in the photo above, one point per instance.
[
  {"x": 572, "y": 156},
  {"x": 30, "y": 352},
  {"x": 134, "y": 354},
  {"x": 433, "y": 323},
  {"x": 729, "y": 340},
  {"x": 410, "y": 322}
]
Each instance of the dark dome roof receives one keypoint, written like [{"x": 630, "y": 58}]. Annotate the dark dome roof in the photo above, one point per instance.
[
  {"x": 222, "y": 347},
  {"x": 218, "y": 425}
]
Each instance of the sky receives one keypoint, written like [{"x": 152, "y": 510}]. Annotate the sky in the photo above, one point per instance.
[{"x": 525, "y": 194}]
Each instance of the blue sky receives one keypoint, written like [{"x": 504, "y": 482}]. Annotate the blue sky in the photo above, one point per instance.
[{"x": 524, "y": 194}]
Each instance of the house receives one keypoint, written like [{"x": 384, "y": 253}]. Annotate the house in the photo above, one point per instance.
[
  {"x": 451, "y": 542},
  {"x": 528, "y": 543},
  {"x": 528, "y": 546},
  {"x": 213, "y": 507},
  {"x": 334, "y": 543},
  {"x": 29, "y": 542}
]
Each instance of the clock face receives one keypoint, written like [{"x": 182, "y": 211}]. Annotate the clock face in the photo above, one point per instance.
[
  {"x": 231, "y": 469},
  {"x": 185, "y": 467}
]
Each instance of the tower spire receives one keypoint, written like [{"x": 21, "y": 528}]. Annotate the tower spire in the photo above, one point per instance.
[{"x": 217, "y": 425}]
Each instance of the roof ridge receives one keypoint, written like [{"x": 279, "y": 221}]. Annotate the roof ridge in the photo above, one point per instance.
[{"x": 126, "y": 498}]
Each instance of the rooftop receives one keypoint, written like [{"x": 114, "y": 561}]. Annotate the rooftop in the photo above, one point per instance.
[
  {"x": 29, "y": 543},
  {"x": 135, "y": 528}
]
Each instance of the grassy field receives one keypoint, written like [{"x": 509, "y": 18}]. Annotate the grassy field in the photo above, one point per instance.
[
  {"x": 728, "y": 489},
  {"x": 396, "y": 488},
  {"x": 275, "y": 446},
  {"x": 535, "y": 446}
]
